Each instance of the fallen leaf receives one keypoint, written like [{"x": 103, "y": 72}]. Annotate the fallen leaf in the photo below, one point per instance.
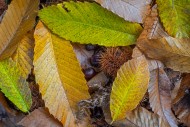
[
  {"x": 160, "y": 95},
  {"x": 152, "y": 27},
  {"x": 97, "y": 81},
  {"x": 129, "y": 87},
  {"x": 75, "y": 21},
  {"x": 59, "y": 75},
  {"x": 175, "y": 79},
  {"x": 14, "y": 86},
  {"x": 5, "y": 104},
  {"x": 174, "y": 53},
  {"x": 23, "y": 56},
  {"x": 130, "y": 10},
  {"x": 143, "y": 118},
  {"x": 184, "y": 86},
  {"x": 15, "y": 24},
  {"x": 174, "y": 15},
  {"x": 39, "y": 118},
  {"x": 83, "y": 55},
  {"x": 182, "y": 109}
]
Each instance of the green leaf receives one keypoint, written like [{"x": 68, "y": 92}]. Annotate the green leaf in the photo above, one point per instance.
[
  {"x": 89, "y": 23},
  {"x": 175, "y": 16},
  {"x": 14, "y": 86}
]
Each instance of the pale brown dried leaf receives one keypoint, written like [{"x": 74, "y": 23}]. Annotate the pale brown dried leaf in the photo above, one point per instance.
[
  {"x": 39, "y": 118},
  {"x": 130, "y": 10},
  {"x": 143, "y": 118},
  {"x": 160, "y": 95},
  {"x": 174, "y": 53},
  {"x": 152, "y": 27},
  {"x": 136, "y": 52}
]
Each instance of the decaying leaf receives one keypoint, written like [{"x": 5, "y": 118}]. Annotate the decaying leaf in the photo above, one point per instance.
[
  {"x": 82, "y": 55},
  {"x": 75, "y": 21},
  {"x": 139, "y": 117},
  {"x": 152, "y": 27},
  {"x": 184, "y": 86},
  {"x": 39, "y": 118},
  {"x": 143, "y": 118},
  {"x": 182, "y": 109},
  {"x": 59, "y": 75},
  {"x": 19, "y": 18},
  {"x": 23, "y": 56},
  {"x": 4, "y": 103},
  {"x": 175, "y": 16},
  {"x": 129, "y": 87},
  {"x": 160, "y": 95},
  {"x": 97, "y": 81},
  {"x": 174, "y": 53},
  {"x": 175, "y": 79},
  {"x": 3, "y": 6},
  {"x": 14, "y": 86},
  {"x": 130, "y": 10}
]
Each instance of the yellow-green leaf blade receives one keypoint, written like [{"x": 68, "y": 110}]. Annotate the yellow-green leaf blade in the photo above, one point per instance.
[
  {"x": 129, "y": 87},
  {"x": 14, "y": 86},
  {"x": 175, "y": 16},
  {"x": 18, "y": 19},
  {"x": 59, "y": 75},
  {"x": 76, "y": 21}
]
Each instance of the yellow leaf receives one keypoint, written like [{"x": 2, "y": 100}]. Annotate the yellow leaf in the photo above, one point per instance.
[
  {"x": 24, "y": 54},
  {"x": 18, "y": 19},
  {"x": 129, "y": 87},
  {"x": 58, "y": 73}
]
